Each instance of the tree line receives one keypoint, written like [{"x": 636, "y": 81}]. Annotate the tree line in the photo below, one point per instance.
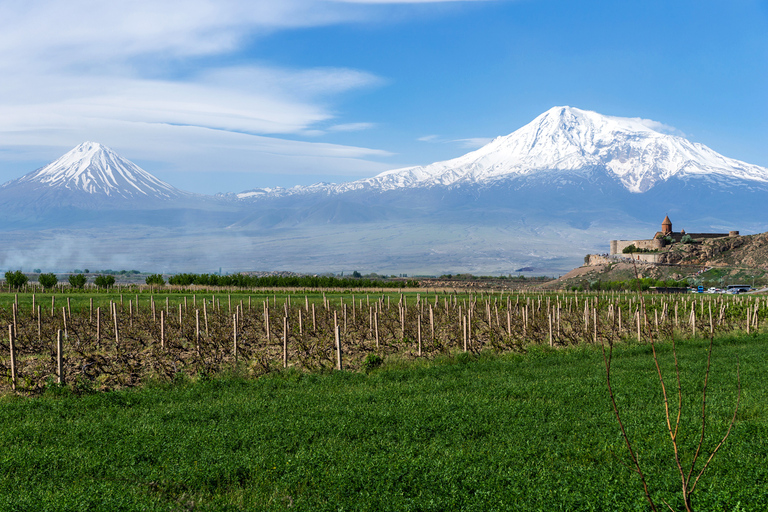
[{"x": 246, "y": 281}]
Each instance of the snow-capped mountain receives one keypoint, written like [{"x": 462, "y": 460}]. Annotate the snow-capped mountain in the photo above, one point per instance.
[
  {"x": 571, "y": 141},
  {"x": 92, "y": 169},
  {"x": 541, "y": 197}
]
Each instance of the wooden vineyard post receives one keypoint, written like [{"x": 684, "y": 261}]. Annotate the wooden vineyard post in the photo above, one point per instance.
[
  {"x": 53, "y": 305},
  {"x": 301, "y": 323},
  {"x": 162, "y": 329},
  {"x": 69, "y": 308},
  {"x": 376, "y": 326},
  {"x": 637, "y": 314},
  {"x": 432, "y": 322},
  {"x": 59, "y": 357},
  {"x": 234, "y": 335},
  {"x": 12, "y": 347},
  {"x": 64, "y": 316},
  {"x": 90, "y": 317},
  {"x": 15, "y": 323},
  {"x": 755, "y": 317},
  {"x": 338, "y": 347},
  {"x": 197, "y": 328},
  {"x": 464, "y": 330},
  {"x": 266, "y": 321},
  {"x": 117, "y": 330},
  {"x": 205, "y": 318},
  {"x": 549, "y": 314},
  {"x": 749, "y": 318},
  {"x": 39, "y": 324},
  {"x": 402, "y": 321},
  {"x": 314, "y": 323},
  {"x": 693, "y": 321},
  {"x": 620, "y": 320},
  {"x": 419, "y": 332},
  {"x": 594, "y": 323},
  {"x": 98, "y": 325},
  {"x": 525, "y": 321},
  {"x": 130, "y": 312},
  {"x": 285, "y": 341},
  {"x": 676, "y": 323},
  {"x": 711, "y": 325}
]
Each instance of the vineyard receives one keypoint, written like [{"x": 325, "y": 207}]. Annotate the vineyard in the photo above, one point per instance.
[{"x": 99, "y": 341}]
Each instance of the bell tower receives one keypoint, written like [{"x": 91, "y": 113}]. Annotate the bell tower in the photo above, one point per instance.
[{"x": 666, "y": 226}]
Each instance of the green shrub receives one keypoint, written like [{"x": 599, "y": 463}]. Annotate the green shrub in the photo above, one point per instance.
[
  {"x": 48, "y": 280},
  {"x": 371, "y": 362},
  {"x": 103, "y": 281},
  {"x": 155, "y": 279},
  {"x": 77, "y": 280},
  {"x": 16, "y": 279},
  {"x": 629, "y": 249}
]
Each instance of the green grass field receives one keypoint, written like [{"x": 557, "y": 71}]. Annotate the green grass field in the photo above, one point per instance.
[{"x": 488, "y": 432}]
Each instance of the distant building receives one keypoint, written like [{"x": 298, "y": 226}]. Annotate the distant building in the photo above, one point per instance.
[{"x": 661, "y": 239}]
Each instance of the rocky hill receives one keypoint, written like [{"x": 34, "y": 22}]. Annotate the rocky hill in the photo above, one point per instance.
[
  {"x": 742, "y": 251},
  {"x": 716, "y": 262}
]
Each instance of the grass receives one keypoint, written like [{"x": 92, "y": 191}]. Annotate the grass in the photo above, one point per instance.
[{"x": 461, "y": 432}]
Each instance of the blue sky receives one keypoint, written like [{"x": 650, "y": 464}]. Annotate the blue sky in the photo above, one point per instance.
[{"x": 215, "y": 95}]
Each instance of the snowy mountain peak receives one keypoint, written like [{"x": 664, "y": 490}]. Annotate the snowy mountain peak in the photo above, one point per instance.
[
  {"x": 96, "y": 170},
  {"x": 636, "y": 152}
]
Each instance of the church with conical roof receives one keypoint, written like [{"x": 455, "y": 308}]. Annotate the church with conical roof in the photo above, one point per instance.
[{"x": 661, "y": 239}]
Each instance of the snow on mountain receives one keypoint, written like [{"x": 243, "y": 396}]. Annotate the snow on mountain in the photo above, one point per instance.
[
  {"x": 96, "y": 170},
  {"x": 573, "y": 141}
]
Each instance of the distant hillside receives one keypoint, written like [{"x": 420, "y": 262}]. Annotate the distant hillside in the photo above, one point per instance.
[{"x": 741, "y": 251}]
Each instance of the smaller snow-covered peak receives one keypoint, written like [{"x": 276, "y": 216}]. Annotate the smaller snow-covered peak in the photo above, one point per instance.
[{"x": 95, "y": 169}]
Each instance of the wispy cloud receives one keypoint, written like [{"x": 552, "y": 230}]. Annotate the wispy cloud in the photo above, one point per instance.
[
  {"x": 470, "y": 143},
  {"x": 659, "y": 127},
  {"x": 474, "y": 142},
  {"x": 351, "y": 127}
]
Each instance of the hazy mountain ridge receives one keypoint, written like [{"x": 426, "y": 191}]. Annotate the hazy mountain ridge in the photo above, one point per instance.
[{"x": 542, "y": 197}]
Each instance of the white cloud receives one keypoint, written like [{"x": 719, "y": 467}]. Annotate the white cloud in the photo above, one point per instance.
[
  {"x": 659, "y": 127},
  {"x": 429, "y": 138},
  {"x": 351, "y": 127},
  {"x": 118, "y": 73},
  {"x": 474, "y": 142}
]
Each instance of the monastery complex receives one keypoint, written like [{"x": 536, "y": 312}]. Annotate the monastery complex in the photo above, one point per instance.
[{"x": 661, "y": 239}]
